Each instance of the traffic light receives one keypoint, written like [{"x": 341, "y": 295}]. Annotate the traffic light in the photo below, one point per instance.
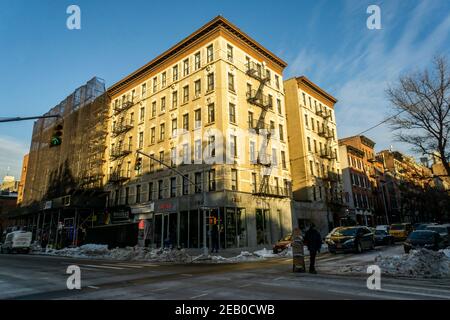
[
  {"x": 56, "y": 138},
  {"x": 138, "y": 164}
]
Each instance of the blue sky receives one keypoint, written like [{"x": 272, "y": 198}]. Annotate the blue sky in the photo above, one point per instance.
[{"x": 41, "y": 61}]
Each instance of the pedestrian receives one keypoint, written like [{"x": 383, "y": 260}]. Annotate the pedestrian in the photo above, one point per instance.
[
  {"x": 313, "y": 241},
  {"x": 215, "y": 238}
]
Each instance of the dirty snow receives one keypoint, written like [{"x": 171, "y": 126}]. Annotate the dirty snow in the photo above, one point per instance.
[{"x": 418, "y": 263}]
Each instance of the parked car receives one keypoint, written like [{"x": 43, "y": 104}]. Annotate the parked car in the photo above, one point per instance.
[
  {"x": 17, "y": 241},
  {"x": 400, "y": 231},
  {"x": 353, "y": 239},
  {"x": 383, "y": 227},
  {"x": 443, "y": 231},
  {"x": 282, "y": 244},
  {"x": 383, "y": 237},
  {"x": 423, "y": 226},
  {"x": 427, "y": 239}
]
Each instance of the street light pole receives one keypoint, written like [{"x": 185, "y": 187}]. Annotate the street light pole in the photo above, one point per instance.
[{"x": 205, "y": 248}]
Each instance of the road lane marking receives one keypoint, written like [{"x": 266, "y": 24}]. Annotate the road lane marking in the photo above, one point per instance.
[
  {"x": 198, "y": 296},
  {"x": 148, "y": 264},
  {"x": 94, "y": 287},
  {"x": 101, "y": 266},
  {"x": 160, "y": 289},
  {"x": 186, "y": 274},
  {"x": 417, "y": 293},
  {"x": 245, "y": 285},
  {"x": 124, "y": 265},
  {"x": 353, "y": 293}
]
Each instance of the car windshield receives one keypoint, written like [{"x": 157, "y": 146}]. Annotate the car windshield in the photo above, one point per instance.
[
  {"x": 438, "y": 229},
  {"x": 345, "y": 232},
  {"x": 421, "y": 235},
  {"x": 398, "y": 227},
  {"x": 380, "y": 232}
]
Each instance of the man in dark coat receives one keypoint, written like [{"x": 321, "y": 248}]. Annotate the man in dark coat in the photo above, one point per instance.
[
  {"x": 313, "y": 241},
  {"x": 215, "y": 238}
]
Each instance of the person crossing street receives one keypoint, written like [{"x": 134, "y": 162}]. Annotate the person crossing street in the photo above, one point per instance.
[{"x": 313, "y": 241}]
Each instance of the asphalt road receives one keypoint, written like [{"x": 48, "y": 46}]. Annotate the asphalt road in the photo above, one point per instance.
[{"x": 44, "y": 277}]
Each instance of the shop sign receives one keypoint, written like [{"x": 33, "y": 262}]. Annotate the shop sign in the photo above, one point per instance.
[
  {"x": 120, "y": 216},
  {"x": 166, "y": 207}
]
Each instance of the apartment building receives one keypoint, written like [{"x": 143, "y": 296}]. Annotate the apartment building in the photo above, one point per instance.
[
  {"x": 23, "y": 177},
  {"x": 208, "y": 116},
  {"x": 315, "y": 163}
]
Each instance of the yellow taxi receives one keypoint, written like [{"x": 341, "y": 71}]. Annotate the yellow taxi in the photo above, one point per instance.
[{"x": 400, "y": 231}]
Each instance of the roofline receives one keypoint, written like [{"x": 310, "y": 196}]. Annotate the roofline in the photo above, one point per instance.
[
  {"x": 316, "y": 88},
  {"x": 217, "y": 22},
  {"x": 358, "y": 136}
]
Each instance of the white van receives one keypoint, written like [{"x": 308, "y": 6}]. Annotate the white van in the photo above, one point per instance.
[{"x": 17, "y": 241}]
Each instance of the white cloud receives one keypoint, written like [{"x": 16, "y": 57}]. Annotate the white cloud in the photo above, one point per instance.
[
  {"x": 361, "y": 69},
  {"x": 11, "y": 156}
]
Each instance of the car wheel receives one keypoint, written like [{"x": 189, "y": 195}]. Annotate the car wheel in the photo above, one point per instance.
[{"x": 359, "y": 248}]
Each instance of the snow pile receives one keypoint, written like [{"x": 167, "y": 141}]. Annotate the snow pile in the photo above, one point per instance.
[
  {"x": 418, "y": 263},
  {"x": 85, "y": 251},
  {"x": 446, "y": 252}
]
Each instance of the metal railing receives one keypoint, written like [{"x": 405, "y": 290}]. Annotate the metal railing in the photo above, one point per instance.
[
  {"x": 328, "y": 154},
  {"x": 322, "y": 113},
  {"x": 119, "y": 176},
  {"x": 259, "y": 99},
  {"x": 118, "y": 152},
  {"x": 122, "y": 127},
  {"x": 123, "y": 105},
  {"x": 256, "y": 71},
  {"x": 272, "y": 191},
  {"x": 325, "y": 133}
]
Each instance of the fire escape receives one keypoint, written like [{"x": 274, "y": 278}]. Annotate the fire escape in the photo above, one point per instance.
[
  {"x": 122, "y": 148},
  {"x": 263, "y": 161}
]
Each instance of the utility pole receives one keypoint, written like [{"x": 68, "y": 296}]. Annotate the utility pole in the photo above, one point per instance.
[{"x": 205, "y": 248}]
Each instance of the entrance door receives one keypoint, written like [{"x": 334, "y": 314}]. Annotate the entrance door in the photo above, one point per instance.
[
  {"x": 262, "y": 226},
  {"x": 166, "y": 230}
]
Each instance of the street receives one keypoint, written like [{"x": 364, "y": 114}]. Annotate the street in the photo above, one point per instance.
[{"x": 44, "y": 277}]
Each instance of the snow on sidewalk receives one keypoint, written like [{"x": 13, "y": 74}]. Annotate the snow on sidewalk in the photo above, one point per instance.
[{"x": 418, "y": 263}]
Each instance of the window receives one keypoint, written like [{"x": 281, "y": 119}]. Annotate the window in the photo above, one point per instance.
[
  {"x": 185, "y": 184},
  {"x": 253, "y": 182},
  {"x": 133, "y": 94},
  {"x": 209, "y": 53},
  {"x": 232, "y": 112},
  {"x": 197, "y": 88},
  {"x": 252, "y": 152},
  {"x": 198, "y": 118},
  {"x": 212, "y": 146},
  {"x": 186, "y": 122},
  {"x": 186, "y": 67},
  {"x": 312, "y": 124},
  {"x": 152, "y": 163},
  {"x": 186, "y": 154},
  {"x": 234, "y": 179},
  {"x": 142, "y": 114},
  {"x": 175, "y": 73},
  {"x": 212, "y": 180},
  {"x": 163, "y": 79},
  {"x": 155, "y": 84},
  {"x": 311, "y": 167},
  {"x": 185, "y": 94},
  {"x": 141, "y": 140},
  {"x": 143, "y": 89},
  {"x": 233, "y": 146},
  {"x": 198, "y": 182},
  {"x": 250, "y": 119},
  {"x": 229, "y": 53},
  {"x": 173, "y": 187},
  {"x": 138, "y": 193},
  {"x": 268, "y": 76},
  {"x": 281, "y": 132},
  {"x": 231, "y": 82},
  {"x": 163, "y": 104},
  {"x": 162, "y": 131},
  {"x": 211, "y": 113},
  {"x": 153, "y": 109},
  {"x": 315, "y": 146},
  {"x": 277, "y": 185},
  {"x": 150, "y": 191},
  {"x": 160, "y": 189},
  {"x": 283, "y": 159},
  {"x": 198, "y": 150},
  {"x": 309, "y": 143},
  {"x": 277, "y": 81},
  {"x": 161, "y": 159},
  {"x": 306, "y": 120},
  {"x": 174, "y": 127},
  {"x": 270, "y": 101},
  {"x": 304, "y": 99},
  {"x": 174, "y": 99},
  {"x": 197, "y": 61},
  {"x": 210, "y": 79},
  {"x": 132, "y": 118},
  {"x": 280, "y": 111},
  {"x": 127, "y": 194},
  {"x": 274, "y": 157},
  {"x": 152, "y": 135}
]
